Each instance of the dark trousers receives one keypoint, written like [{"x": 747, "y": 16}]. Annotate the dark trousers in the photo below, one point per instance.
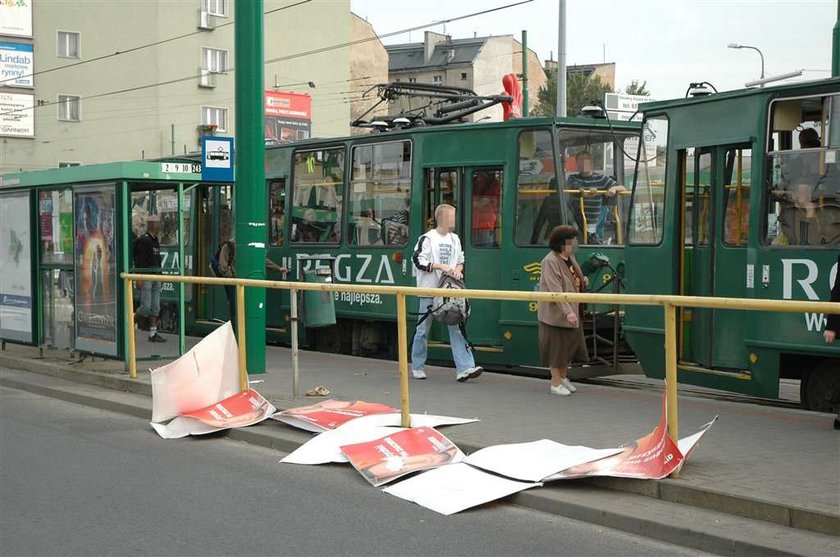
[{"x": 230, "y": 294}]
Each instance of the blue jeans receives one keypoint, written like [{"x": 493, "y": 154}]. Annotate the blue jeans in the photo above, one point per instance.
[
  {"x": 602, "y": 221},
  {"x": 460, "y": 352}
]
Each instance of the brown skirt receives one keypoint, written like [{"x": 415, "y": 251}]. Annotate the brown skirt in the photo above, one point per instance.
[{"x": 560, "y": 345}]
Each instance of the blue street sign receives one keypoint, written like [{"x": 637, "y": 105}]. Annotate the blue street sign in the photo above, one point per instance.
[{"x": 217, "y": 158}]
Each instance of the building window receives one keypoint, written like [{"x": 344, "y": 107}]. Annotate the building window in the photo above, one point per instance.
[
  {"x": 215, "y": 7},
  {"x": 214, "y": 60},
  {"x": 463, "y": 76},
  {"x": 69, "y": 108},
  {"x": 437, "y": 79},
  {"x": 67, "y": 164},
  {"x": 68, "y": 44},
  {"x": 412, "y": 80},
  {"x": 214, "y": 116}
]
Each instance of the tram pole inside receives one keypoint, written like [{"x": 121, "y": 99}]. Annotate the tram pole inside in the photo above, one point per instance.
[{"x": 248, "y": 196}]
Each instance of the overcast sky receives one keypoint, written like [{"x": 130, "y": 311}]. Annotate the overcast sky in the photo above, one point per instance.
[{"x": 669, "y": 43}]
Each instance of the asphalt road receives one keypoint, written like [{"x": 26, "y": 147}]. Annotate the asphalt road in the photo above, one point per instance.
[{"x": 80, "y": 481}]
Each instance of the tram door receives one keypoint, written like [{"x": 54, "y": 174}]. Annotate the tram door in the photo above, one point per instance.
[
  {"x": 475, "y": 192},
  {"x": 715, "y": 200}
]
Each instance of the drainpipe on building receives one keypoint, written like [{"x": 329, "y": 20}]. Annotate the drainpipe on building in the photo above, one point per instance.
[
  {"x": 835, "y": 46},
  {"x": 525, "y": 73}
]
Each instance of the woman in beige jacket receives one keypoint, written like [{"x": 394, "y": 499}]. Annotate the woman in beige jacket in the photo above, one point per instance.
[{"x": 560, "y": 331}]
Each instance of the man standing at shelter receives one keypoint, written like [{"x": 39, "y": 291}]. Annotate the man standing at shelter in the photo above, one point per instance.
[
  {"x": 439, "y": 252},
  {"x": 147, "y": 261}
]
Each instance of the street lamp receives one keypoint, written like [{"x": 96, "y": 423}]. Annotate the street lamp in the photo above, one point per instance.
[{"x": 740, "y": 46}]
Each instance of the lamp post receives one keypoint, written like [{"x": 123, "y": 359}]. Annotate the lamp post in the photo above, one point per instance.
[{"x": 741, "y": 46}]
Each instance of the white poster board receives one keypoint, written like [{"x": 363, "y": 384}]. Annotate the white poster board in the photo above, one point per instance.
[{"x": 15, "y": 267}]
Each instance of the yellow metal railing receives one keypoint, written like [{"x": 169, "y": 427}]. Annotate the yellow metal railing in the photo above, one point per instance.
[{"x": 669, "y": 304}]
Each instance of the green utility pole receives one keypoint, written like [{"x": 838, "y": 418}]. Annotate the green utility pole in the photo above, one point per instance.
[
  {"x": 525, "y": 73},
  {"x": 835, "y": 46},
  {"x": 249, "y": 189}
]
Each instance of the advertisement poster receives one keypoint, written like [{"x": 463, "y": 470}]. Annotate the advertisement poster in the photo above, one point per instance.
[
  {"x": 15, "y": 268},
  {"x": 288, "y": 117},
  {"x": 330, "y": 414},
  {"x": 16, "y": 18},
  {"x": 240, "y": 410},
  {"x": 17, "y": 114},
  {"x": 16, "y": 65},
  {"x": 206, "y": 374},
  {"x": 96, "y": 271},
  {"x": 394, "y": 456}
]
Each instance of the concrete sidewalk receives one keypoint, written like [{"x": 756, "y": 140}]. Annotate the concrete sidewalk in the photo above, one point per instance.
[{"x": 779, "y": 465}]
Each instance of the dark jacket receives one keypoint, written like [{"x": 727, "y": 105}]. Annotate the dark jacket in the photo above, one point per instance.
[
  {"x": 834, "y": 318},
  {"x": 147, "y": 254}
]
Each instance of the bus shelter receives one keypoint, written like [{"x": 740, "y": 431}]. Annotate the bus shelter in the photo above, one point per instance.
[{"x": 68, "y": 233}]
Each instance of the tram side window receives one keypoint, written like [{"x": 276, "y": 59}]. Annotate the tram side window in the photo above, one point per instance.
[
  {"x": 803, "y": 188},
  {"x": 55, "y": 218},
  {"x": 276, "y": 212},
  {"x": 380, "y": 194},
  {"x": 317, "y": 196},
  {"x": 487, "y": 208},
  {"x": 737, "y": 185},
  {"x": 537, "y": 199},
  {"x": 647, "y": 210}
]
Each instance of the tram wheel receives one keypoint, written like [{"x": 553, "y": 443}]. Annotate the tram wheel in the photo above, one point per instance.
[{"x": 820, "y": 387}]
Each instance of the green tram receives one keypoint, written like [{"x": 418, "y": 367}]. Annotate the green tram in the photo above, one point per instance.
[
  {"x": 748, "y": 207},
  {"x": 358, "y": 204}
]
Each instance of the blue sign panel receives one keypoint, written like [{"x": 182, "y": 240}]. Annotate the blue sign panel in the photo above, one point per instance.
[{"x": 217, "y": 159}]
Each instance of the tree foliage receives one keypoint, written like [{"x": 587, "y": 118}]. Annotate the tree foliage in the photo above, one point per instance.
[
  {"x": 580, "y": 91},
  {"x": 636, "y": 88}
]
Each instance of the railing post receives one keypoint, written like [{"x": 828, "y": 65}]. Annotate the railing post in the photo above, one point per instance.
[
  {"x": 671, "y": 373},
  {"x": 295, "y": 350},
  {"x": 131, "y": 352},
  {"x": 402, "y": 350},
  {"x": 240, "y": 337}
]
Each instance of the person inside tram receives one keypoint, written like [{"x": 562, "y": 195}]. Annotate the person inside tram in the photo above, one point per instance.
[
  {"x": 487, "y": 193},
  {"x": 549, "y": 215},
  {"x": 599, "y": 192}
]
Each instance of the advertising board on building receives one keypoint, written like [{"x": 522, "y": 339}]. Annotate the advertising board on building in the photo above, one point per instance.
[
  {"x": 15, "y": 268},
  {"x": 96, "y": 270},
  {"x": 17, "y": 115},
  {"x": 288, "y": 116},
  {"x": 16, "y": 18},
  {"x": 16, "y": 65}
]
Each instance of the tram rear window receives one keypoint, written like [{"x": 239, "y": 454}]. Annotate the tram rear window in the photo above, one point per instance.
[
  {"x": 803, "y": 181},
  {"x": 317, "y": 195},
  {"x": 380, "y": 194}
]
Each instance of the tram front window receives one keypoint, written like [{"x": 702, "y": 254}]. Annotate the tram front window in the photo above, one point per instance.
[
  {"x": 803, "y": 189},
  {"x": 648, "y": 203}
]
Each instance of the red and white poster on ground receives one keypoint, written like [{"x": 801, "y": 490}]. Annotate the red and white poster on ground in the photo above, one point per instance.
[
  {"x": 240, "y": 410},
  {"x": 206, "y": 374},
  {"x": 651, "y": 457},
  {"x": 329, "y": 414},
  {"x": 398, "y": 454}
]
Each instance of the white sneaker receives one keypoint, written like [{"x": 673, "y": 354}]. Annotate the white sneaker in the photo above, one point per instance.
[
  {"x": 469, "y": 373},
  {"x": 418, "y": 374},
  {"x": 560, "y": 390},
  {"x": 568, "y": 384}
]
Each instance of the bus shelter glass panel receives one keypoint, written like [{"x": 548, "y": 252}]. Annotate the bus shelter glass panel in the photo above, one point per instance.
[
  {"x": 96, "y": 268},
  {"x": 538, "y": 208},
  {"x": 803, "y": 188},
  {"x": 317, "y": 195},
  {"x": 155, "y": 217},
  {"x": 595, "y": 173},
  {"x": 647, "y": 213},
  {"x": 380, "y": 194},
  {"x": 16, "y": 292},
  {"x": 55, "y": 226}
]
